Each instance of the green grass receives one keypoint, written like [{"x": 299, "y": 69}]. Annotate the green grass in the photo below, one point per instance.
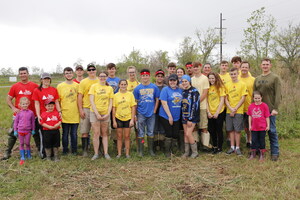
[{"x": 207, "y": 177}]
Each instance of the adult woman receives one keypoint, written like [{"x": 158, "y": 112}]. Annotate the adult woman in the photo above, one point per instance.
[
  {"x": 42, "y": 94},
  {"x": 169, "y": 112},
  {"x": 215, "y": 110},
  {"x": 190, "y": 115},
  {"x": 101, "y": 97},
  {"x": 123, "y": 115}
]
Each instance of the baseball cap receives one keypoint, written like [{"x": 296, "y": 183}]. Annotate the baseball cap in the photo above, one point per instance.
[
  {"x": 173, "y": 77},
  {"x": 79, "y": 67},
  {"x": 45, "y": 75},
  {"x": 91, "y": 65},
  {"x": 159, "y": 72}
]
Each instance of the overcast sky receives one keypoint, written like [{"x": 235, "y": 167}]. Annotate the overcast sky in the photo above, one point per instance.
[{"x": 47, "y": 33}]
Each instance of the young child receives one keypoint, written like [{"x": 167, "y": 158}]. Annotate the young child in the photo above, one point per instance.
[
  {"x": 51, "y": 122},
  {"x": 259, "y": 123},
  {"x": 24, "y": 125},
  {"x": 236, "y": 92}
]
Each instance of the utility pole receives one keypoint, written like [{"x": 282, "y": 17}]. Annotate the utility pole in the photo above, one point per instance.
[{"x": 221, "y": 37}]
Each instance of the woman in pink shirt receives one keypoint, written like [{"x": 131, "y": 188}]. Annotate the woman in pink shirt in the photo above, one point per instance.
[
  {"x": 24, "y": 125},
  {"x": 259, "y": 124}
]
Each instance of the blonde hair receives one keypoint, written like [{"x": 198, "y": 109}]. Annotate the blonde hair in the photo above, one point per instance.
[{"x": 24, "y": 99}]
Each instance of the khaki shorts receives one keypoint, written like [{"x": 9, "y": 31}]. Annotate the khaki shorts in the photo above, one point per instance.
[
  {"x": 93, "y": 118},
  {"x": 85, "y": 124},
  {"x": 203, "y": 119}
]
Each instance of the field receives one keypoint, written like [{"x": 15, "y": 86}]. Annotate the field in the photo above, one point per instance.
[{"x": 207, "y": 177}]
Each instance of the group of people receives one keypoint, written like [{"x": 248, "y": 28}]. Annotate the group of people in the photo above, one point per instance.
[{"x": 181, "y": 105}]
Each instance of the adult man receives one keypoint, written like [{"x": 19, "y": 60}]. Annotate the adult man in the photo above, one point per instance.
[
  {"x": 24, "y": 88},
  {"x": 206, "y": 69},
  {"x": 269, "y": 84},
  {"x": 249, "y": 81},
  {"x": 146, "y": 95},
  {"x": 200, "y": 82},
  {"x": 79, "y": 74},
  {"x": 68, "y": 92},
  {"x": 189, "y": 68},
  {"x": 84, "y": 105}
]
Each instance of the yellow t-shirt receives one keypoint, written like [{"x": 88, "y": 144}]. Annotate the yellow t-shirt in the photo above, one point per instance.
[
  {"x": 123, "y": 103},
  {"x": 201, "y": 83},
  {"x": 213, "y": 98},
  {"x": 131, "y": 85},
  {"x": 234, "y": 92},
  {"x": 249, "y": 81},
  {"x": 102, "y": 95},
  {"x": 68, "y": 102},
  {"x": 84, "y": 88},
  {"x": 225, "y": 78}
]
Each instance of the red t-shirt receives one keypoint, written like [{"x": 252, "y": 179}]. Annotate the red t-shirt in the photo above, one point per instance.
[
  {"x": 50, "y": 118},
  {"x": 19, "y": 90},
  {"x": 75, "y": 80},
  {"x": 259, "y": 113},
  {"x": 49, "y": 93}
]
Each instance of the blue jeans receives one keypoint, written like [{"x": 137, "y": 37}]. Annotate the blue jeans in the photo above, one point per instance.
[
  {"x": 69, "y": 129},
  {"x": 145, "y": 123},
  {"x": 258, "y": 140},
  {"x": 273, "y": 136}
]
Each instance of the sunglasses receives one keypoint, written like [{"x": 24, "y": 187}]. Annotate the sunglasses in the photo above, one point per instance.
[{"x": 92, "y": 69}]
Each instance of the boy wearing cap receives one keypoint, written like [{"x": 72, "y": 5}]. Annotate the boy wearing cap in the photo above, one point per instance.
[
  {"x": 51, "y": 121},
  {"x": 159, "y": 132},
  {"x": 68, "y": 92},
  {"x": 146, "y": 95},
  {"x": 200, "y": 82},
  {"x": 79, "y": 74},
  {"x": 84, "y": 105}
]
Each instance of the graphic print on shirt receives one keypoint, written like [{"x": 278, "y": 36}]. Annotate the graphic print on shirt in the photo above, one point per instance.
[
  {"x": 49, "y": 97},
  {"x": 26, "y": 92},
  {"x": 177, "y": 99},
  {"x": 53, "y": 118},
  {"x": 147, "y": 95},
  {"x": 256, "y": 113}
]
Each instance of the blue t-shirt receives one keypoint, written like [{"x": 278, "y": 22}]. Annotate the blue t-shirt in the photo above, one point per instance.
[
  {"x": 173, "y": 97},
  {"x": 146, "y": 97},
  {"x": 114, "y": 83}
]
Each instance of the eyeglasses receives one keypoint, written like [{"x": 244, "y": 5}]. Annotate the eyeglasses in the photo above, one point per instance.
[
  {"x": 102, "y": 76},
  {"x": 92, "y": 69}
]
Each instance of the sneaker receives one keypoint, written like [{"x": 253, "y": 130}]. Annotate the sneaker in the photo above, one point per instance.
[
  {"x": 128, "y": 156},
  {"x": 96, "y": 156},
  {"x": 118, "y": 156},
  {"x": 238, "y": 152},
  {"x": 274, "y": 157},
  {"x": 230, "y": 151},
  {"x": 107, "y": 157}
]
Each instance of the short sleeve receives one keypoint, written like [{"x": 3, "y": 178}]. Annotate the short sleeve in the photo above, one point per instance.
[
  {"x": 92, "y": 90},
  {"x": 35, "y": 95},
  {"x": 222, "y": 92},
  {"x": 81, "y": 87},
  {"x": 12, "y": 91},
  {"x": 163, "y": 94},
  {"x": 133, "y": 102}
]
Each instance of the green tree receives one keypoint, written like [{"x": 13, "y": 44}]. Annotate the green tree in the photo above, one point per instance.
[
  {"x": 158, "y": 59},
  {"x": 288, "y": 47},
  {"x": 207, "y": 41},
  {"x": 135, "y": 58},
  {"x": 258, "y": 36},
  {"x": 188, "y": 51},
  {"x": 6, "y": 72}
]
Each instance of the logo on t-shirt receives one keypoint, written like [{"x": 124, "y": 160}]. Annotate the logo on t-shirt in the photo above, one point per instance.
[
  {"x": 256, "y": 113},
  {"x": 53, "y": 118},
  {"x": 26, "y": 92}
]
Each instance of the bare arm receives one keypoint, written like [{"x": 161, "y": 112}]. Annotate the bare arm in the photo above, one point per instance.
[
  {"x": 79, "y": 103},
  {"x": 11, "y": 105},
  {"x": 240, "y": 102},
  {"x": 268, "y": 123},
  {"x": 167, "y": 110},
  {"x": 37, "y": 109},
  {"x": 203, "y": 95},
  {"x": 250, "y": 121},
  {"x": 57, "y": 105},
  {"x": 47, "y": 126},
  {"x": 219, "y": 108},
  {"x": 93, "y": 105},
  {"x": 114, "y": 117},
  {"x": 156, "y": 105},
  {"x": 133, "y": 112}
]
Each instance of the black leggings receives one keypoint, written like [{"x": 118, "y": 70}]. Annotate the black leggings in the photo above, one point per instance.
[
  {"x": 171, "y": 131},
  {"x": 215, "y": 128},
  {"x": 258, "y": 140}
]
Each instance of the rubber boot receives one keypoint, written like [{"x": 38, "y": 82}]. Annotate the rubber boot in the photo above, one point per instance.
[
  {"x": 262, "y": 155},
  {"x": 55, "y": 152},
  {"x": 174, "y": 146},
  {"x": 10, "y": 144},
  {"x": 186, "y": 150},
  {"x": 168, "y": 144},
  {"x": 181, "y": 142},
  {"x": 215, "y": 150},
  {"x": 28, "y": 152},
  {"x": 252, "y": 154},
  {"x": 84, "y": 146},
  {"x": 48, "y": 154},
  {"x": 150, "y": 146},
  {"x": 141, "y": 147},
  {"x": 22, "y": 154},
  {"x": 194, "y": 150}
]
